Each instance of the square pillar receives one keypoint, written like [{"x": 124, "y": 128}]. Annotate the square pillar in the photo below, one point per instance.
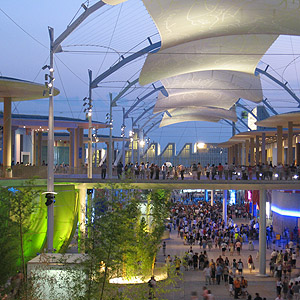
[
  {"x": 262, "y": 233},
  {"x": 71, "y": 148},
  {"x": 290, "y": 158},
  {"x": 243, "y": 162},
  {"x": 7, "y": 144},
  {"x": 257, "y": 150},
  {"x": 33, "y": 147},
  {"x": 251, "y": 151},
  {"x": 263, "y": 148},
  {"x": 39, "y": 148},
  {"x": 247, "y": 146},
  {"x": 279, "y": 145},
  {"x": 76, "y": 148}
]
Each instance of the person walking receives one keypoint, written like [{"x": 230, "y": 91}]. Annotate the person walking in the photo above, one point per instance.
[
  {"x": 164, "y": 248},
  {"x": 250, "y": 263},
  {"x": 152, "y": 286}
]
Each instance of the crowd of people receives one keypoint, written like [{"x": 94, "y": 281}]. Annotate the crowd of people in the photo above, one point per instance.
[
  {"x": 209, "y": 172},
  {"x": 202, "y": 229}
]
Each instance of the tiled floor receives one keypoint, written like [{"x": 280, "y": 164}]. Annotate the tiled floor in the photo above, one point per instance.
[{"x": 194, "y": 280}]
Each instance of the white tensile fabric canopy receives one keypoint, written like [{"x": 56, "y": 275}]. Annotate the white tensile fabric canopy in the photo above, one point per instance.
[
  {"x": 219, "y": 89},
  {"x": 210, "y": 50},
  {"x": 207, "y": 114},
  {"x": 239, "y": 53},
  {"x": 179, "y": 22}
]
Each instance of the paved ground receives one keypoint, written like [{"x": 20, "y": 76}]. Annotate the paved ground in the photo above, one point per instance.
[{"x": 194, "y": 280}]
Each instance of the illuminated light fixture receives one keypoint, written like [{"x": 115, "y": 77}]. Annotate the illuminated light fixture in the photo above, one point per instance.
[
  {"x": 47, "y": 66},
  {"x": 142, "y": 143},
  {"x": 200, "y": 145},
  {"x": 89, "y": 113},
  {"x": 276, "y": 175},
  {"x": 131, "y": 133},
  {"x": 239, "y": 174},
  {"x": 295, "y": 176},
  {"x": 285, "y": 212},
  {"x": 50, "y": 196},
  {"x": 260, "y": 174},
  {"x": 24, "y": 126}
]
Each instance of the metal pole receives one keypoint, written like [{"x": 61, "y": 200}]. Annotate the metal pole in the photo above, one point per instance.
[
  {"x": 90, "y": 142},
  {"x": 132, "y": 153},
  {"x": 138, "y": 147},
  {"x": 50, "y": 149},
  {"x": 96, "y": 144},
  {"x": 225, "y": 207},
  {"x": 262, "y": 233},
  {"x": 110, "y": 139},
  {"x": 123, "y": 139}
]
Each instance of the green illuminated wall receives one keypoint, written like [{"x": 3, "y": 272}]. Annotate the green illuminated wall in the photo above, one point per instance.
[{"x": 65, "y": 221}]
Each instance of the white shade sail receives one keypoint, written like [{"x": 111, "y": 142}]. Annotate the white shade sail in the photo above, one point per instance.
[
  {"x": 184, "y": 21},
  {"x": 209, "y": 88},
  {"x": 113, "y": 2},
  {"x": 239, "y": 53},
  {"x": 197, "y": 114}
]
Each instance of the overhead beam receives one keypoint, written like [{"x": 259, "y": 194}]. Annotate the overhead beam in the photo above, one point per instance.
[
  {"x": 152, "y": 48},
  {"x": 142, "y": 99},
  {"x": 283, "y": 85},
  {"x": 142, "y": 114},
  {"x": 88, "y": 11}
]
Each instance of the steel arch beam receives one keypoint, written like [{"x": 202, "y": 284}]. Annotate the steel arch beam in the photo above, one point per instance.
[
  {"x": 232, "y": 125},
  {"x": 269, "y": 107},
  {"x": 142, "y": 99},
  {"x": 151, "y": 127},
  {"x": 247, "y": 109},
  {"x": 152, "y": 48},
  {"x": 88, "y": 11},
  {"x": 130, "y": 84},
  {"x": 244, "y": 124},
  {"x": 142, "y": 114},
  {"x": 283, "y": 85},
  {"x": 151, "y": 118}
]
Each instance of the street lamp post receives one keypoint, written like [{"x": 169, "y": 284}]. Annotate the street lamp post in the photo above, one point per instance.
[
  {"x": 50, "y": 149},
  {"x": 110, "y": 152},
  {"x": 123, "y": 137},
  {"x": 90, "y": 137}
]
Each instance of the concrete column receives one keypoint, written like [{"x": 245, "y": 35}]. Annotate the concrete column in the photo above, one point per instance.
[
  {"x": 229, "y": 155},
  {"x": 81, "y": 219},
  {"x": 263, "y": 148},
  {"x": 257, "y": 149},
  {"x": 81, "y": 146},
  {"x": 251, "y": 149},
  {"x": 290, "y": 143},
  {"x": 71, "y": 149},
  {"x": 239, "y": 154},
  {"x": 39, "y": 149},
  {"x": 7, "y": 138},
  {"x": 247, "y": 144},
  {"x": 243, "y": 162},
  {"x": 212, "y": 192},
  {"x": 76, "y": 149},
  {"x": 225, "y": 206},
  {"x": 262, "y": 233},
  {"x": 33, "y": 144},
  {"x": 17, "y": 146},
  {"x": 236, "y": 151},
  {"x": 279, "y": 145}
]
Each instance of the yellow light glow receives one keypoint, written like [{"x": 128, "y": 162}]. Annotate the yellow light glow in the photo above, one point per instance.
[
  {"x": 201, "y": 145},
  {"x": 137, "y": 279}
]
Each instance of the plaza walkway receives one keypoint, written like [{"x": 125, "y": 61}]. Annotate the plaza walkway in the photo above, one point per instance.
[{"x": 194, "y": 280}]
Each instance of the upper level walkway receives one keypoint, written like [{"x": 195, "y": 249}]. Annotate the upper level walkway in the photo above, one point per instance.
[{"x": 164, "y": 184}]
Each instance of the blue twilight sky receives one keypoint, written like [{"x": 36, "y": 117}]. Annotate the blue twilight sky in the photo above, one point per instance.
[{"x": 96, "y": 45}]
